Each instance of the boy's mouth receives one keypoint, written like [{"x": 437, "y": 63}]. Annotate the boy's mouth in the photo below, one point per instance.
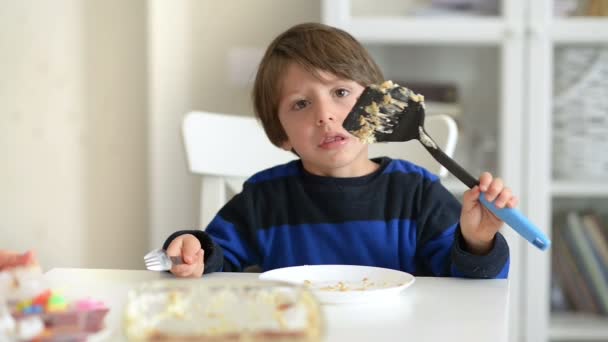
[{"x": 333, "y": 141}]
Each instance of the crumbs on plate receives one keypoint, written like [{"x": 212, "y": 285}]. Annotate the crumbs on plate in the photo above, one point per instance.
[{"x": 344, "y": 286}]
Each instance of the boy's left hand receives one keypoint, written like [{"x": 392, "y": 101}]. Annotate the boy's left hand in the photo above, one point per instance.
[{"x": 477, "y": 223}]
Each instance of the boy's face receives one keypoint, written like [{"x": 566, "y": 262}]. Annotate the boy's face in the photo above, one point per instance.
[{"x": 311, "y": 111}]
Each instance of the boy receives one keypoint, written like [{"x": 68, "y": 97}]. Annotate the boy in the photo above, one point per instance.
[{"x": 335, "y": 205}]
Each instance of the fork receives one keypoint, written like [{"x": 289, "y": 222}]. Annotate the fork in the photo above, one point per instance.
[{"x": 158, "y": 260}]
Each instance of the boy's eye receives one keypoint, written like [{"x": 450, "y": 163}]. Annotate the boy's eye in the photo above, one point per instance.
[
  {"x": 342, "y": 92},
  {"x": 301, "y": 104}
]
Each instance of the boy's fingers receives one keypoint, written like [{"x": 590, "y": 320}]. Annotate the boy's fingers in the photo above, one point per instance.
[
  {"x": 191, "y": 246},
  {"x": 200, "y": 256},
  {"x": 195, "y": 269},
  {"x": 503, "y": 198},
  {"x": 175, "y": 247},
  {"x": 513, "y": 202},
  {"x": 494, "y": 189},
  {"x": 484, "y": 181},
  {"x": 469, "y": 200},
  {"x": 183, "y": 270}
]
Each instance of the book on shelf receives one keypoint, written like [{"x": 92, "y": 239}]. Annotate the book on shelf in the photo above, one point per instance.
[
  {"x": 580, "y": 262},
  {"x": 562, "y": 281},
  {"x": 598, "y": 238},
  {"x": 591, "y": 266},
  {"x": 569, "y": 275}
]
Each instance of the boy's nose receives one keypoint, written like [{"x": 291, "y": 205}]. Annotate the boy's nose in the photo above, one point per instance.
[
  {"x": 325, "y": 119},
  {"x": 325, "y": 114}
]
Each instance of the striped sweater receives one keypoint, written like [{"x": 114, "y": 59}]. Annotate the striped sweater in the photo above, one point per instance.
[{"x": 399, "y": 217}]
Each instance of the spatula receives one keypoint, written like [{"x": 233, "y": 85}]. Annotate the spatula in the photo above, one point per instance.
[{"x": 389, "y": 112}]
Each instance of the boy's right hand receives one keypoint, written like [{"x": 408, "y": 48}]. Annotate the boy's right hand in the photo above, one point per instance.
[{"x": 189, "y": 248}]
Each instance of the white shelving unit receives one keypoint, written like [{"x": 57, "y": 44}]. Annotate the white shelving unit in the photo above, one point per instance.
[
  {"x": 429, "y": 31},
  {"x": 543, "y": 191},
  {"x": 519, "y": 44},
  {"x": 582, "y": 189},
  {"x": 567, "y": 327},
  {"x": 484, "y": 56}
]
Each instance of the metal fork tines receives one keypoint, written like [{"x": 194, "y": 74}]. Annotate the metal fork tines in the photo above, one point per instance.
[{"x": 158, "y": 260}]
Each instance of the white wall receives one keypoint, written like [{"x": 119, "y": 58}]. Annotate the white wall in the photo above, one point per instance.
[{"x": 72, "y": 131}]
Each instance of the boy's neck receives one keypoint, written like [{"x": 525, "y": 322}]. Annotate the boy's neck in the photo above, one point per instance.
[{"x": 367, "y": 167}]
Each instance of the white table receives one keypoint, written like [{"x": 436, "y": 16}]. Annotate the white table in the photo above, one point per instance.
[{"x": 433, "y": 309}]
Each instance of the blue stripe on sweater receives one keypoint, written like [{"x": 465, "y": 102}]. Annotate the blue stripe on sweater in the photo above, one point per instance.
[
  {"x": 293, "y": 168},
  {"x": 403, "y": 166},
  {"x": 374, "y": 243},
  {"x": 235, "y": 250},
  {"x": 435, "y": 251},
  {"x": 286, "y": 170},
  {"x": 389, "y": 244}
]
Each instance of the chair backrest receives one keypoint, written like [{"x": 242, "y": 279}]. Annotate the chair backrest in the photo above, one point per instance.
[{"x": 226, "y": 149}]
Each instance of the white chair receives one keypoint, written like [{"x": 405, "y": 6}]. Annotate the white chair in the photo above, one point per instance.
[{"x": 226, "y": 149}]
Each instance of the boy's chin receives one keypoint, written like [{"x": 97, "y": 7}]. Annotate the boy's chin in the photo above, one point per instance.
[{"x": 338, "y": 165}]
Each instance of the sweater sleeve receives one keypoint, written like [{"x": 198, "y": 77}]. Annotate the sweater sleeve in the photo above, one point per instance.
[
  {"x": 441, "y": 250},
  {"x": 494, "y": 264},
  {"x": 229, "y": 240}
]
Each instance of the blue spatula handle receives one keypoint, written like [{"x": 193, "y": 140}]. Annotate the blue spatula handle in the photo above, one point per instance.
[
  {"x": 512, "y": 217},
  {"x": 519, "y": 222}
]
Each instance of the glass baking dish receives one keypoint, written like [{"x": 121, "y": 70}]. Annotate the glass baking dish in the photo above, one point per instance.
[{"x": 217, "y": 310}]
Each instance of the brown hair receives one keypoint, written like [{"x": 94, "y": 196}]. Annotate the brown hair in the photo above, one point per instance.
[{"x": 314, "y": 47}]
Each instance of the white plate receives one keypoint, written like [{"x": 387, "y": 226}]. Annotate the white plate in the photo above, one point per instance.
[{"x": 344, "y": 283}]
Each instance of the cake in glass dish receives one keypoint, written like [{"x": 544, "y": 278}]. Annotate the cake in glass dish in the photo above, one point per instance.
[{"x": 213, "y": 310}]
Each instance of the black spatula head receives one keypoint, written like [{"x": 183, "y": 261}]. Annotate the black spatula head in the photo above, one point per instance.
[
  {"x": 389, "y": 112},
  {"x": 386, "y": 112}
]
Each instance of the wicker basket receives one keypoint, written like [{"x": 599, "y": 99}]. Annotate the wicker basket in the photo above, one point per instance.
[{"x": 580, "y": 124}]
